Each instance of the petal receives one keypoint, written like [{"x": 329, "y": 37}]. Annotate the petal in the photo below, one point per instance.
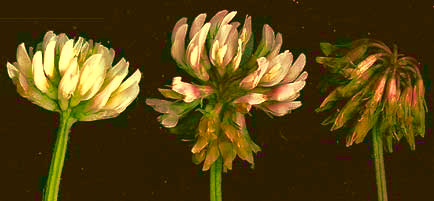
[
  {"x": 168, "y": 120},
  {"x": 197, "y": 24},
  {"x": 228, "y": 17},
  {"x": 113, "y": 79},
  {"x": 12, "y": 71},
  {"x": 39, "y": 78},
  {"x": 120, "y": 101},
  {"x": 252, "y": 99},
  {"x": 48, "y": 37},
  {"x": 214, "y": 50},
  {"x": 161, "y": 106},
  {"x": 196, "y": 46},
  {"x": 216, "y": 21},
  {"x": 276, "y": 46},
  {"x": 49, "y": 55},
  {"x": 228, "y": 153},
  {"x": 302, "y": 77},
  {"x": 282, "y": 108},
  {"x": 68, "y": 83},
  {"x": 283, "y": 92},
  {"x": 134, "y": 79},
  {"x": 178, "y": 24},
  {"x": 277, "y": 69},
  {"x": 178, "y": 44},
  {"x": 231, "y": 43},
  {"x": 61, "y": 41},
  {"x": 66, "y": 56},
  {"x": 191, "y": 92},
  {"x": 223, "y": 33},
  {"x": 296, "y": 68},
  {"x": 24, "y": 62},
  {"x": 246, "y": 31},
  {"x": 266, "y": 42},
  {"x": 252, "y": 80},
  {"x": 104, "y": 114},
  {"x": 237, "y": 58},
  {"x": 211, "y": 155},
  {"x": 91, "y": 78}
]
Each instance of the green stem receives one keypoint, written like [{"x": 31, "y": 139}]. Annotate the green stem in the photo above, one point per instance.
[
  {"x": 52, "y": 187},
  {"x": 380, "y": 174},
  {"x": 215, "y": 180}
]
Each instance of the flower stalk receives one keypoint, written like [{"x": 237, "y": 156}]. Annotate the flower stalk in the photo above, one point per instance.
[
  {"x": 57, "y": 161},
  {"x": 380, "y": 173},
  {"x": 215, "y": 181}
]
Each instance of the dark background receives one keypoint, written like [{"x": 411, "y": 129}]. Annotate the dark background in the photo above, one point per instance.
[{"x": 132, "y": 158}]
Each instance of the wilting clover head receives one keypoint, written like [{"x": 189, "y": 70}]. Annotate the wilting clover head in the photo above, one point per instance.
[
  {"x": 380, "y": 88},
  {"x": 228, "y": 79},
  {"x": 78, "y": 77}
]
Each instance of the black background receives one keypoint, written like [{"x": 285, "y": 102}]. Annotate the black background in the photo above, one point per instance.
[{"x": 132, "y": 158}]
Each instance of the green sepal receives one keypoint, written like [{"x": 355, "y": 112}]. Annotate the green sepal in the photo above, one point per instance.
[
  {"x": 327, "y": 48},
  {"x": 169, "y": 93}
]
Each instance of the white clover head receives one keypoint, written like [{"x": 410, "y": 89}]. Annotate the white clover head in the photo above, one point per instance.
[
  {"x": 229, "y": 78},
  {"x": 74, "y": 75}
]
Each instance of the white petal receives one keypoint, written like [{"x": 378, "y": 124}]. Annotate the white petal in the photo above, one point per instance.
[
  {"x": 223, "y": 33},
  {"x": 181, "y": 22},
  {"x": 216, "y": 20},
  {"x": 178, "y": 44},
  {"x": 92, "y": 76},
  {"x": 104, "y": 114},
  {"x": 237, "y": 58},
  {"x": 39, "y": 78},
  {"x": 120, "y": 101},
  {"x": 168, "y": 120},
  {"x": 229, "y": 17},
  {"x": 49, "y": 55},
  {"x": 114, "y": 79},
  {"x": 266, "y": 42},
  {"x": 282, "y": 108},
  {"x": 214, "y": 50},
  {"x": 252, "y": 80},
  {"x": 302, "y": 77},
  {"x": 231, "y": 43},
  {"x": 247, "y": 30},
  {"x": 296, "y": 68},
  {"x": 284, "y": 92},
  {"x": 12, "y": 71},
  {"x": 68, "y": 83},
  {"x": 24, "y": 62},
  {"x": 190, "y": 91},
  {"x": 161, "y": 106},
  {"x": 277, "y": 69},
  {"x": 252, "y": 99},
  {"x": 61, "y": 41},
  {"x": 197, "y": 24},
  {"x": 66, "y": 56},
  {"x": 276, "y": 46},
  {"x": 132, "y": 80},
  {"x": 48, "y": 37}
]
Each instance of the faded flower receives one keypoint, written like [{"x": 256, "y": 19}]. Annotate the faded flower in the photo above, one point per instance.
[
  {"x": 228, "y": 78},
  {"x": 380, "y": 88}
]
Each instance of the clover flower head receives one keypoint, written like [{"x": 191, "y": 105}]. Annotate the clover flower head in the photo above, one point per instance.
[
  {"x": 74, "y": 75},
  {"x": 382, "y": 89},
  {"x": 228, "y": 79}
]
